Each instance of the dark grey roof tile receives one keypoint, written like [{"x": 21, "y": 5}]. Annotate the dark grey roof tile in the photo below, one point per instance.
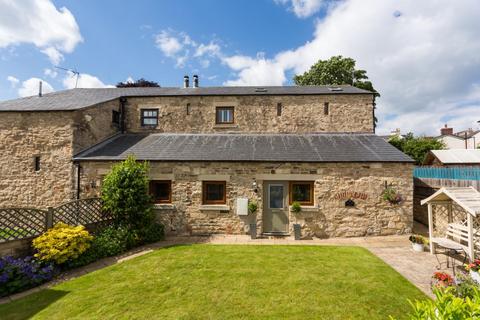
[
  {"x": 333, "y": 147},
  {"x": 74, "y": 99}
]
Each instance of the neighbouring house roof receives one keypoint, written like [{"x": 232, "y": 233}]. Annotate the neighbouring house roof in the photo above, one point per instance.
[
  {"x": 454, "y": 156},
  {"x": 469, "y": 133},
  {"x": 322, "y": 147},
  {"x": 467, "y": 197},
  {"x": 75, "y": 99}
]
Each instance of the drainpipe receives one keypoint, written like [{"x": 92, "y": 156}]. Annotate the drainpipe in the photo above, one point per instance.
[
  {"x": 79, "y": 168},
  {"x": 123, "y": 101}
]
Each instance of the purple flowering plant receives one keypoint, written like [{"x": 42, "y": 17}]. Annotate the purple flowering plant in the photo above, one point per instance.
[{"x": 18, "y": 274}]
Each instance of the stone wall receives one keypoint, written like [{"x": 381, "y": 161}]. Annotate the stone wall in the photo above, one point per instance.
[
  {"x": 23, "y": 136},
  {"x": 94, "y": 124},
  {"x": 347, "y": 113},
  {"x": 327, "y": 218}
]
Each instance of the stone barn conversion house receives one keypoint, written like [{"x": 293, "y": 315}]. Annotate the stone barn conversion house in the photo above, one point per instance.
[{"x": 212, "y": 150}]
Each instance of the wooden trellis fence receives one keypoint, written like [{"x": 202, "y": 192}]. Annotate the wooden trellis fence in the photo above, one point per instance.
[{"x": 20, "y": 223}]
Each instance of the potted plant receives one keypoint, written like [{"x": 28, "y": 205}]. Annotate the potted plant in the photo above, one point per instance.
[
  {"x": 296, "y": 207},
  {"x": 442, "y": 280},
  {"x": 391, "y": 195},
  {"x": 474, "y": 268},
  {"x": 252, "y": 207},
  {"x": 417, "y": 242}
]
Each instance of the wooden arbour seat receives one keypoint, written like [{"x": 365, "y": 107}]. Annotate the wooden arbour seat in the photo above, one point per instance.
[{"x": 455, "y": 241}]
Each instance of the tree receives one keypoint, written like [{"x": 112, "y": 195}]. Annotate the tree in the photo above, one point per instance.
[
  {"x": 336, "y": 71},
  {"x": 125, "y": 194},
  {"x": 137, "y": 83},
  {"x": 416, "y": 147}
]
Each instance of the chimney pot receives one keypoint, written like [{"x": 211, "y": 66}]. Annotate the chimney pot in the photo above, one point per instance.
[
  {"x": 195, "y": 81},
  {"x": 446, "y": 130},
  {"x": 186, "y": 81},
  {"x": 40, "y": 89}
]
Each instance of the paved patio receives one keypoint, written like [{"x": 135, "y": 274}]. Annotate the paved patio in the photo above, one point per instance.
[{"x": 394, "y": 250}]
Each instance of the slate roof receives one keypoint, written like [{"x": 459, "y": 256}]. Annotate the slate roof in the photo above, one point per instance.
[
  {"x": 75, "y": 99},
  {"x": 322, "y": 147}
]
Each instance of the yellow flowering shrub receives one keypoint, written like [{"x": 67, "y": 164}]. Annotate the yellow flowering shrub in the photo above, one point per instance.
[{"x": 62, "y": 243}]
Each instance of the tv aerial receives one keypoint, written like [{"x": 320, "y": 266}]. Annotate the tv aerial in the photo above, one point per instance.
[{"x": 74, "y": 73}]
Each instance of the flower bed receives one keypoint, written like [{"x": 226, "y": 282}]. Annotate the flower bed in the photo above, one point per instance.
[{"x": 23, "y": 273}]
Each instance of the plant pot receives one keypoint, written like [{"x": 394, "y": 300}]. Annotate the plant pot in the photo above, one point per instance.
[
  {"x": 475, "y": 275},
  {"x": 417, "y": 247}
]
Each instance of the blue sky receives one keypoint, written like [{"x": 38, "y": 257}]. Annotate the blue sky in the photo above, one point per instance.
[{"x": 422, "y": 58}]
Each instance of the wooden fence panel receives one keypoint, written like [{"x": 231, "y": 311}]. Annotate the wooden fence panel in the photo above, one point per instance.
[{"x": 21, "y": 223}]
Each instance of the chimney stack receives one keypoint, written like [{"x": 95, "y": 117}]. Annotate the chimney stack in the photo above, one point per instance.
[
  {"x": 195, "y": 81},
  {"x": 446, "y": 130},
  {"x": 40, "y": 89},
  {"x": 186, "y": 81}
]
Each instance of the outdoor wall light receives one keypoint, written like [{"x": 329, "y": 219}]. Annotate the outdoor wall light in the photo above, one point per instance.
[{"x": 254, "y": 185}]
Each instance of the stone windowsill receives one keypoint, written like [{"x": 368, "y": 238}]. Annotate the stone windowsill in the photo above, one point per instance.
[
  {"x": 214, "y": 207},
  {"x": 225, "y": 126},
  {"x": 164, "y": 206},
  {"x": 307, "y": 209}
]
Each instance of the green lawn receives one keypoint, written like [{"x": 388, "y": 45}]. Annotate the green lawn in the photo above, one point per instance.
[{"x": 229, "y": 282}]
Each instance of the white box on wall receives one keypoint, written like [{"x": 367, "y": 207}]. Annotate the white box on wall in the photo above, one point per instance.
[{"x": 242, "y": 206}]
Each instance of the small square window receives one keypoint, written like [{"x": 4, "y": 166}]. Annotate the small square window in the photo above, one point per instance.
[
  {"x": 149, "y": 117},
  {"x": 161, "y": 191},
  {"x": 326, "y": 108},
  {"x": 214, "y": 192},
  {"x": 279, "y": 109},
  {"x": 224, "y": 115},
  {"x": 302, "y": 192}
]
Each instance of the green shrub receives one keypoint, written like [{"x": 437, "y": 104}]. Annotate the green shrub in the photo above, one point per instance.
[
  {"x": 448, "y": 306},
  {"x": 109, "y": 242},
  {"x": 125, "y": 194},
  {"x": 296, "y": 207},
  {"x": 152, "y": 233},
  {"x": 62, "y": 243}
]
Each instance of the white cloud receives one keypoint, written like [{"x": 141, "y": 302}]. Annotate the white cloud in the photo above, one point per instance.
[
  {"x": 84, "y": 81},
  {"x": 183, "y": 49},
  {"x": 30, "y": 87},
  {"x": 168, "y": 44},
  {"x": 13, "y": 81},
  {"x": 421, "y": 56},
  {"x": 53, "y": 54},
  {"x": 302, "y": 8},
  {"x": 211, "y": 49},
  {"x": 40, "y": 23},
  {"x": 50, "y": 73}
]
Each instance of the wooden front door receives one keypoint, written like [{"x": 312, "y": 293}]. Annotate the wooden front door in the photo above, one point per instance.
[{"x": 275, "y": 211}]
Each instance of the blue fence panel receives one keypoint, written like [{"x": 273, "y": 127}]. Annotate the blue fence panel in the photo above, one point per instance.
[{"x": 460, "y": 173}]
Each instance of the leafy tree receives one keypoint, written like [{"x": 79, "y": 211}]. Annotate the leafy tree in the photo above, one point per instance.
[
  {"x": 416, "y": 147},
  {"x": 336, "y": 71},
  {"x": 125, "y": 194},
  {"x": 137, "y": 83}
]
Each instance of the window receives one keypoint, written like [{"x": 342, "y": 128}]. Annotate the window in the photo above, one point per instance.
[
  {"x": 189, "y": 109},
  {"x": 279, "y": 109},
  {"x": 302, "y": 192},
  {"x": 115, "y": 117},
  {"x": 37, "y": 163},
  {"x": 325, "y": 108},
  {"x": 161, "y": 191},
  {"x": 224, "y": 115},
  {"x": 214, "y": 192},
  {"x": 149, "y": 117}
]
